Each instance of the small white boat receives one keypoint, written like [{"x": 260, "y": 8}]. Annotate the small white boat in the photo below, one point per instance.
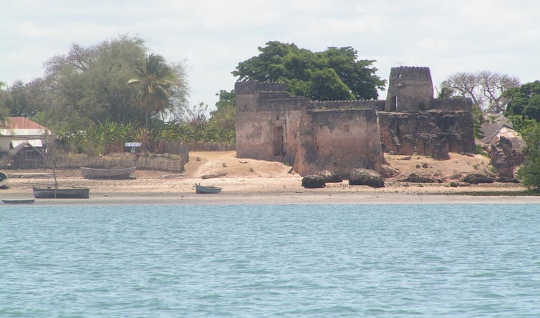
[{"x": 206, "y": 189}]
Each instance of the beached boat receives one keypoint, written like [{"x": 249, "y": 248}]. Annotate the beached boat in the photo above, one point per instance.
[
  {"x": 54, "y": 191},
  {"x": 3, "y": 180},
  {"x": 17, "y": 201},
  {"x": 61, "y": 193},
  {"x": 111, "y": 173},
  {"x": 206, "y": 189}
]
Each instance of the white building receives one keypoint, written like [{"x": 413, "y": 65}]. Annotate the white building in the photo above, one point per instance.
[{"x": 20, "y": 130}]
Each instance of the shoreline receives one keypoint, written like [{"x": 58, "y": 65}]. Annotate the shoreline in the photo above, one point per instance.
[{"x": 281, "y": 198}]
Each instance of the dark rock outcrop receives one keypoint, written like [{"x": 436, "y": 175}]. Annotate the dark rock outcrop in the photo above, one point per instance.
[
  {"x": 367, "y": 177},
  {"x": 330, "y": 177},
  {"x": 416, "y": 178},
  {"x": 476, "y": 178},
  {"x": 388, "y": 172},
  {"x": 455, "y": 184},
  {"x": 313, "y": 181},
  {"x": 507, "y": 180}
]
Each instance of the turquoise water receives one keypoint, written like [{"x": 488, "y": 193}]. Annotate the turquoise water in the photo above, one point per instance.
[{"x": 270, "y": 261}]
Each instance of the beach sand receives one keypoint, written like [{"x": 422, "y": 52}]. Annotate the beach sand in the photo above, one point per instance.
[{"x": 248, "y": 181}]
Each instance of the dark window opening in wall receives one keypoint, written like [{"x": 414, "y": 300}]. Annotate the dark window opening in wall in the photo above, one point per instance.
[
  {"x": 278, "y": 144},
  {"x": 277, "y": 117}
]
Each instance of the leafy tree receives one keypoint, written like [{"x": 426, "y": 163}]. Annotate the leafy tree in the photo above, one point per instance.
[
  {"x": 529, "y": 172},
  {"x": 25, "y": 99},
  {"x": 524, "y": 101},
  {"x": 335, "y": 73},
  {"x": 486, "y": 89},
  {"x": 89, "y": 85},
  {"x": 223, "y": 119}
]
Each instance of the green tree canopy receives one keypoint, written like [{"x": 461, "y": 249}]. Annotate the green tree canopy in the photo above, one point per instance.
[
  {"x": 89, "y": 86},
  {"x": 524, "y": 101},
  {"x": 530, "y": 170},
  {"x": 335, "y": 73}
]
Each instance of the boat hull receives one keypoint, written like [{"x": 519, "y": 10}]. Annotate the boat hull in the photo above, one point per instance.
[
  {"x": 207, "y": 189},
  {"x": 18, "y": 201},
  {"x": 112, "y": 173},
  {"x": 62, "y": 193}
]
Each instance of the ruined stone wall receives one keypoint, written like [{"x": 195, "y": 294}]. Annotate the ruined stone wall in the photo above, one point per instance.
[
  {"x": 462, "y": 104},
  {"x": 267, "y": 119},
  {"x": 414, "y": 122},
  {"x": 410, "y": 89},
  {"x": 431, "y": 133},
  {"x": 310, "y": 135},
  {"x": 338, "y": 140}
]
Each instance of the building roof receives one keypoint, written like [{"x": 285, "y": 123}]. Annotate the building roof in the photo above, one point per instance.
[
  {"x": 22, "y": 127},
  {"x": 491, "y": 127},
  {"x": 21, "y": 123}
]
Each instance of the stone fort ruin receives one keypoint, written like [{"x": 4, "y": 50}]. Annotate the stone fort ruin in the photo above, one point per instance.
[{"x": 341, "y": 135}]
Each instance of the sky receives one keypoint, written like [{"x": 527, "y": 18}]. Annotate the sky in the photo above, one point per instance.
[{"x": 212, "y": 37}]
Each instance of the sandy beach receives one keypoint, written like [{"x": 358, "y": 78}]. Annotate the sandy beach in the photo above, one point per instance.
[{"x": 248, "y": 181}]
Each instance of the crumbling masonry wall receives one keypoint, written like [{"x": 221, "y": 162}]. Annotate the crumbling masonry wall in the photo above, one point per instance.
[
  {"x": 311, "y": 136},
  {"x": 415, "y": 122},
  {"x": 338, "y": 140},
  {"x": 341, "y": 135}
]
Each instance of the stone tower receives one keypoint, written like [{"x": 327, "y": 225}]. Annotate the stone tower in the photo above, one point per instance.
[{"x": 410, "y": 89}]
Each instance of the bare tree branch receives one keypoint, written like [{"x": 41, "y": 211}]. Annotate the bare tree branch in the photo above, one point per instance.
[{"x": 485, "y": 88}]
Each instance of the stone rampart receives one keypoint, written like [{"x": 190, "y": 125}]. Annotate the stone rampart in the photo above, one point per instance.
[
  {"x": 452, "y": 104},
  {"x": 432, "y": 133},
  {"x": 372, "y": 104},
  {"x": 251, "y": 87},
  {"x": 338, "y": 140}
]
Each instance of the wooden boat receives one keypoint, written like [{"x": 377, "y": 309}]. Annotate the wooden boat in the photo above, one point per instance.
[
  {"x": 61, "y": 193},
  {"x": 3, "y": 180},
  {"x": 18, "y": 201},
  {"x": 206, "y": 189},
  {"x": 56, "y": 192},
  {"x": 103, "y": 173}
]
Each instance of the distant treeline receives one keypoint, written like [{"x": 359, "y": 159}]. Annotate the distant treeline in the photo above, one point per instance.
[{"x": 96, "y": 97}]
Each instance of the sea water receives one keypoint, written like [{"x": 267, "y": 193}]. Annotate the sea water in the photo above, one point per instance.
[{"x": 270, "y": 261}]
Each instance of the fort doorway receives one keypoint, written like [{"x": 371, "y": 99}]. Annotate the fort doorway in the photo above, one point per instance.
[{"x": 278, "y": 144}]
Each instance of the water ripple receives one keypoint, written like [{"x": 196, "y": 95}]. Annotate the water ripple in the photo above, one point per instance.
[{"x": 270, "y": 261}]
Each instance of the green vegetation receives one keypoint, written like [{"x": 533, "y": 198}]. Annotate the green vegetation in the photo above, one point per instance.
[
  {"x": 95, "y": 98},
  {"x": 524, "y": 111},
  {"x": 524, "y": 102},
  {"x": 334, "y": 74},
  {"x": 529, "y": 172}
]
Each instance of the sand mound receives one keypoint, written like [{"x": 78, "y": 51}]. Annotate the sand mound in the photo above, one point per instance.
[{"x": 219, "y": 162}]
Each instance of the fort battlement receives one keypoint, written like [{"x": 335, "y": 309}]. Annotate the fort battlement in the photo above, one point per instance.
[
  {"x": 335, "y": 104},
  {"x": 250, "y": 87},
  {"x": 452, "y": 104},
  {"x": 418, "y": 73}
]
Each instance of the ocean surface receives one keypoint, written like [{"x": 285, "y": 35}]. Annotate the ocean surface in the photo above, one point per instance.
[{"x": 270, "y": 261}]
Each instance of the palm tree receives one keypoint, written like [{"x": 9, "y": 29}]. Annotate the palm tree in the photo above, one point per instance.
[{"x": 155, "y": 81}]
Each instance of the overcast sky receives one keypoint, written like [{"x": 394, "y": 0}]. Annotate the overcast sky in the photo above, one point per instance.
[{"x": 211, "y": 37}]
